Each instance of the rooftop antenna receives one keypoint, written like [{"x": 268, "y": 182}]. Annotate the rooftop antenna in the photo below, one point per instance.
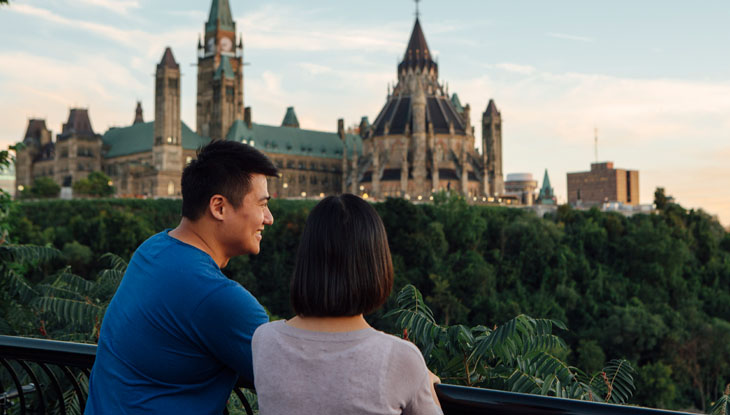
[
  {"x": 418, "y": 14},
  {"x": 595, "y": 143}
]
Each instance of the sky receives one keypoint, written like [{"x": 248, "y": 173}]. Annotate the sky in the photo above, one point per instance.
[{"x": 653, "y": 77}]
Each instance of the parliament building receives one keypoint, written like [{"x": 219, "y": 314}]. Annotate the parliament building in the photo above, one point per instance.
[{"x": 422, "y": 141}]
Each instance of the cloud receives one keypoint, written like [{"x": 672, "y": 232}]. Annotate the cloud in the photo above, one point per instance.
[
  {"x": 117, "y": 6},
  {"x": 674, "y": 131},
  {"x": 289, "y": 28},
  {"x": 515, "y": 68},
  {"x": 314, "y": 68},
  {"x": 570, "y": 37}
]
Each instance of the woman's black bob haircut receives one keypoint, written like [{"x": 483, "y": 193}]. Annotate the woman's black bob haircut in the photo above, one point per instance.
[{"x": 343, "y": 265}]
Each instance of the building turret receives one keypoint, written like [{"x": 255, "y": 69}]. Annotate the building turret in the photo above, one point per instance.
[
  {"x": 167, "y": 146},
  {"x": 492, "y": 150},
  {"x": 290, "y": 118},
  {"x": 220, "y": 74},
  {"x": 138, "y": 118}
]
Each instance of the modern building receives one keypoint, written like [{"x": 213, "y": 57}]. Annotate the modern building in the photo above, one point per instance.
[
  {"x": 522, "y": 186},
  {"x": 603, "y": 183}
]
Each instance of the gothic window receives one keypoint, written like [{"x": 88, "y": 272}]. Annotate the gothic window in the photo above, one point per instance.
[
  {"x": 302, "y": 178},
  {"x": 229, "y": 94},
  {"x": 172, "y": 83},
  {"x": 290, "y": 164}
]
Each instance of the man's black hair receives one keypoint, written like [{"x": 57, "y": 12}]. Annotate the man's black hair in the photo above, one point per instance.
[
  {"x": 221, "y": 167},
  {"x": 343, "y": 265}
]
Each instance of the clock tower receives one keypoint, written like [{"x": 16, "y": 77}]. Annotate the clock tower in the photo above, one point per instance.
[{"x": 220, "y": 74}]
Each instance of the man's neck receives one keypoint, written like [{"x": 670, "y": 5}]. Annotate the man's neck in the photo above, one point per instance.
[{"x": 197, "y": 234}]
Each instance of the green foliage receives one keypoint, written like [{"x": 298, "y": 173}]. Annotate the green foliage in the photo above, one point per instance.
[
  {"x": 42, "y": 188},
  {"x": 518, "y": 356},
  {"x": 96, "y": 184},
  {"x": 654, "y": 289}
]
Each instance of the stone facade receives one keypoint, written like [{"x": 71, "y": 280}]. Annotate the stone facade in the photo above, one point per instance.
[
  {"x": 422, "y": 140},
  {"x": 603, "y": 183}
]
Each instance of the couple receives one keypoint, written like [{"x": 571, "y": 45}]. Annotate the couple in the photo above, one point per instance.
[{"x": 178, "y": 333}]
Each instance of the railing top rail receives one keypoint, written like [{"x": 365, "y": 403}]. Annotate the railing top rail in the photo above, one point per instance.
[
  {"x": 48, "y": 351},
  {"x": 500, "y": 402}
]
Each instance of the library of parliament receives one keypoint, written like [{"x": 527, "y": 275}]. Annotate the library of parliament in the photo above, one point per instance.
[{"x": 420, "y": 142}]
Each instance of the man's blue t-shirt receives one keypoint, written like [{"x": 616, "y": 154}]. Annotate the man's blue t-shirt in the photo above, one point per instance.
[{"x": 175, "y": 336}]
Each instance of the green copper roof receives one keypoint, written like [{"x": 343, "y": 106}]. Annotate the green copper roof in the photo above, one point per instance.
[
  {"x": 138, "y": 138},
  {"x": 293, "y": 141},
  {"x": 547, "y": 195},
  {"x": 290, "y": 118},
  {"x": 220, "y": 11},
  {"x": 224, "y": 68},
  {"x": 457, "y": 103},
  {"x": 546, "y": 182}
]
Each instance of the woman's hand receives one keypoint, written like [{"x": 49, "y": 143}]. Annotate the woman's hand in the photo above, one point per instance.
[{"x": 433, "y": 381}]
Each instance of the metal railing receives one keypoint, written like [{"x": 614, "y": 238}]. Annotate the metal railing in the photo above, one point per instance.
[{"x": 46, "y": 376}]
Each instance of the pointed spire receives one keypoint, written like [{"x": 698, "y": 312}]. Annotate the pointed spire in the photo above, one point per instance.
[
  {"x": 546, "y": 183},
  {"x": 138, "y": 113},
  {"x": 417, "y": 53},
  {"x": 290, "y": 119},
  {"x": 547, "y": 195},
  {"x": 220, "y": 16},
  {"x": 168, "y": 61},
  {"x": 492, "y": 109}
]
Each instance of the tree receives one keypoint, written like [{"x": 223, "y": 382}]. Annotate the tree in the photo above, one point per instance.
[
  {"x": 95, "y": 184},
  {"x": 42, "y": 188},
  {"x": 660, "y": 199},
  {"x": 6, "y": 159}
]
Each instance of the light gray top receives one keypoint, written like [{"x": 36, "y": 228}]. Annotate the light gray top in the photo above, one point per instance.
[{"x": 366, "y": 371}]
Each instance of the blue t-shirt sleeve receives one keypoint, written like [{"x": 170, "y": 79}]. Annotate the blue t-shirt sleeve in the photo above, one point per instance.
[{"x": 225, "y": 322}]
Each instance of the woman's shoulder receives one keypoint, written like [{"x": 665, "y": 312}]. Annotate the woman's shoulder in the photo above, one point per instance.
[
  {"x": 403, "y": 350},
  {"x": 266, "y": 330}
]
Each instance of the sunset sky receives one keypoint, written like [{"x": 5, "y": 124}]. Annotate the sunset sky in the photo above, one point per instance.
[{"x": 653, "y": 76}]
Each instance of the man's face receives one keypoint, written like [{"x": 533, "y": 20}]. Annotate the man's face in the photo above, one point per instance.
[{"x": 245, "y": 224}]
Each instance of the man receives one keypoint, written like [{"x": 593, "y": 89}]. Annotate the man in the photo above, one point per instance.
[{"x": 177, "y": 333}]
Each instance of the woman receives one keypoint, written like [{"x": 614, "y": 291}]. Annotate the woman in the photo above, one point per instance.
[{"x": 327, "y": 359}]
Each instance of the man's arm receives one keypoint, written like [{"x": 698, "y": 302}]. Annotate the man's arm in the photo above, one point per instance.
[{"x": 225, "y": 322}]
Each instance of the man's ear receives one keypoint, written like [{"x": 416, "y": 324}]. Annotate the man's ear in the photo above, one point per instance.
[{"x": 216, "y": 206}]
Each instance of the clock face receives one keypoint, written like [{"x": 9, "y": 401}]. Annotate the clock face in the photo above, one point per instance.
[{"x": 226, "y": 44}]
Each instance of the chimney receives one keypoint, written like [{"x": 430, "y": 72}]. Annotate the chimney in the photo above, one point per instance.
[{"x": 247, "y": 116}]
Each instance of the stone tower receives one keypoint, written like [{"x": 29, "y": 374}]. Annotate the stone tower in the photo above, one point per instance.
[
  {"x": 167, "y": 147},
  {"x": 492, "y": 150},
  {"x": 420, "y": 142},
  {"x": 220, "y": 74}
]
